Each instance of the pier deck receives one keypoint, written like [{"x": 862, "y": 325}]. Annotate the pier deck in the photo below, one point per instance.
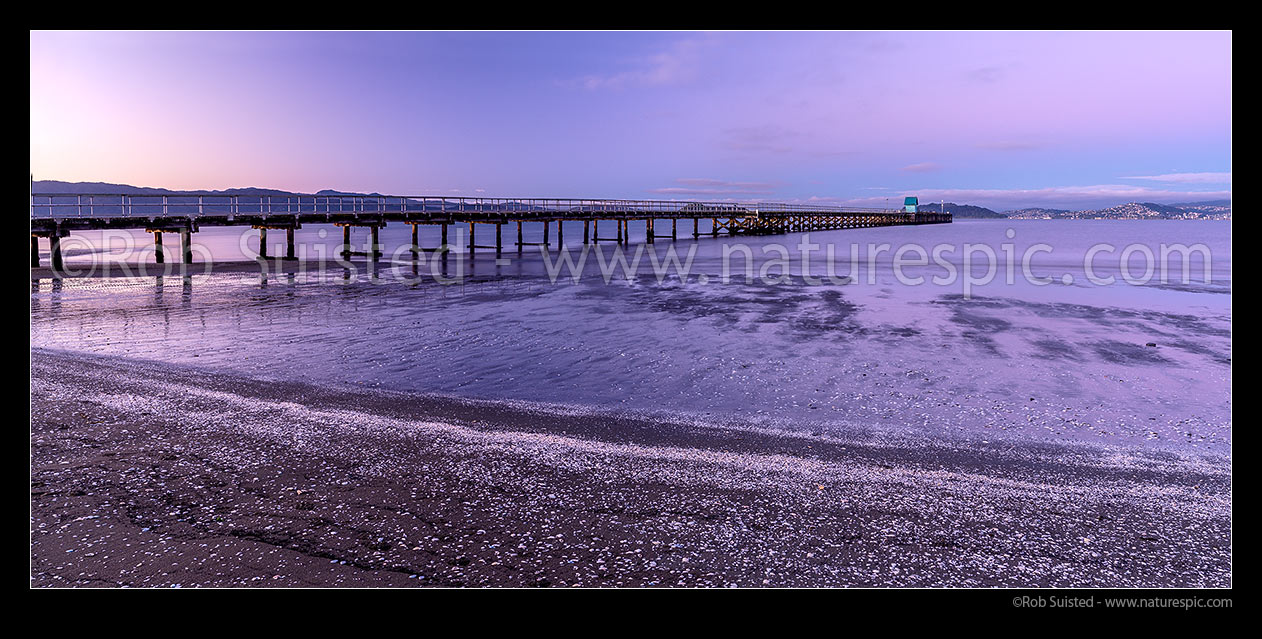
[{"x": 55, "y": 215}]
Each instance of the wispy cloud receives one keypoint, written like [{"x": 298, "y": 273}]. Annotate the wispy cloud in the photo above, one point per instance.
[
  {"x": 922, "y": 167},
  {"x": 988, "y": 75},
  {"x": 759, "y": 139},
  {"x": 1185, "y": 178},
  {"x": 708, "y": 186},
  {"x": 675, "y": 65},
  {"x": 1008, "y": 145}
]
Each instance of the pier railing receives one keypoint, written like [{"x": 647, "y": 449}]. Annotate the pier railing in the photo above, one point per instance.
[{"x": 47, "y": 206}]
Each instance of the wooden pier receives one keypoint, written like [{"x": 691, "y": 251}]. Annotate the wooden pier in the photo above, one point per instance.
[{"x": 56, "y": 215}]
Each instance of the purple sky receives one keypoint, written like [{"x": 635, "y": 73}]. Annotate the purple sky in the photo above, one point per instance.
[{"x": 1005, "y": 120}]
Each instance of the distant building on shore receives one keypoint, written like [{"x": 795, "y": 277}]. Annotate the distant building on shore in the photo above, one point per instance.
[{"x": 910, "y": 203}]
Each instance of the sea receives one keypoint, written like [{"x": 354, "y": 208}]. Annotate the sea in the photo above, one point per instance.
[{"x": 1008, "y": 330}]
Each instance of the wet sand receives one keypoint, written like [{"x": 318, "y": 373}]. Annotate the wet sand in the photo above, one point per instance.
[{"x": 153, "y": 475}]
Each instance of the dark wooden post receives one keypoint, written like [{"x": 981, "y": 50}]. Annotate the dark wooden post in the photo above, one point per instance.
[
  {"x": 546, "y": 226},
  {"x": 560, "y": 233},
  {"x": 376, "y": 244},
  {"x": 586, "y": 224},
  {"x": 499, "y": 242},
  {"x": 696, "y": 227},
  {"x": 263, "y": 242},
  {"x": 444, "y": 240},
  {"x": 620, "y": 222},
  {"x": 54, "y": 247},
  {"x": 674, "y": 228},
  {"x": 648, "y": 230},
  {"x": 289, "y": 244},
  {"x": 159, "y": 255},
  {"x": 346, "y": 241},
  {"x": 519, "y": 238},
  {"x": 714, "y": 226},
  {"x": 34, "y": 251},
  {"x": 472, "y": 248},
  {"x": 186, "y": 245},
  {"x": 416, "y": 238}
]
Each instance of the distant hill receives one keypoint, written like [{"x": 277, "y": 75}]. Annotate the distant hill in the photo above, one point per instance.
[
  {"x": 1037, "y": 213},
  {"x": 961, "y": 210},
  {"x": 57, "y": 186},
  {"x": 1209, "y": 210}
]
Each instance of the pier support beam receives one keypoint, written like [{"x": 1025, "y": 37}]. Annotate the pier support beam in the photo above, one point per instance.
[
  {"x": 375, "y": 248},
  {"x": 499, "y": 240},
  {"x": 696, "y": 227},
  {"x": 585, "y": 228},
  {"x": 416, "y": 239},
  {"x": 519, "y": 237},
  {"x": 472, "y": 235},
  {"x": 648, "y": 230},
  {"x": 620, "y": 224},
  {"x": 714, "y": 226},
  {"x": 546, "y": 227},
  {"x": 34, "y": 251},
  {"x": 263, "y": 242},
  {"x": 560, "y": 233},
  {"x": 54, "y": 247},
  {"x": 186, "y": 245},
  {"x": 290, "y": 253},
  {"x": 159, "y": 253},
  {"x": 346, "y": 242},
  {"x": 444, "y": 239},
  {"x": 674, "y": 229}
]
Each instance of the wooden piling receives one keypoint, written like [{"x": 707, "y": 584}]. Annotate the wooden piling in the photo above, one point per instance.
[
  {"x": 648, "y": 230},
  {"x": 545, "y": 234},
  {"x": 186, "y": 245},
  {"x": 696, "y": 227},
  {"x": 674, "y": 229},
  {"x": 499, "y": 242},
  {"x": 346, "y": 242},
  {"x": 34, "y": 251},
  {"x": 54, "y": 247},
  {"x": 560, "y": 233},
  {"x": 263, "y": 242},
  {"x": 290, "y": 253},
  {"x": 444, "y": 239},
  {"x": 585, "y": 226},
  {"x": 472, "y": 248},
  {"x": 416, "y": 238},
  {"x": 375, "y": 249},
  {"x": 159, "y": 255},
  {"x": 519, "y": 236}
]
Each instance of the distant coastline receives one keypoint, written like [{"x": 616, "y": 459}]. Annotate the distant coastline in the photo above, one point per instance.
[{"x": 1207, "y": 210}]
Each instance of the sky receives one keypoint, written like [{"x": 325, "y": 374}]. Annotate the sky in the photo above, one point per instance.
[{"x": 998, "y": 119}]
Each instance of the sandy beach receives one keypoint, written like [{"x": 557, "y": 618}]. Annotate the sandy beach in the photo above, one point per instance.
[{"x": 146, "y": 474}]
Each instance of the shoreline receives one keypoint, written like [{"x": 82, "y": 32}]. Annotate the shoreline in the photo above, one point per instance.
[{"x": 149, "y": 474}]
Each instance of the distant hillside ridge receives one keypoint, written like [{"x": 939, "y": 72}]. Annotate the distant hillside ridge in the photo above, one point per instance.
[
  {"x": 104, "y": 188},
  {"x": 1209, "y": 210},
  {"x": 961, "y": 210}
]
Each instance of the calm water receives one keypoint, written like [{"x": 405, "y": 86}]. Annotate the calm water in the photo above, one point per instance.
[{"x": 1018, "y": 360}]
